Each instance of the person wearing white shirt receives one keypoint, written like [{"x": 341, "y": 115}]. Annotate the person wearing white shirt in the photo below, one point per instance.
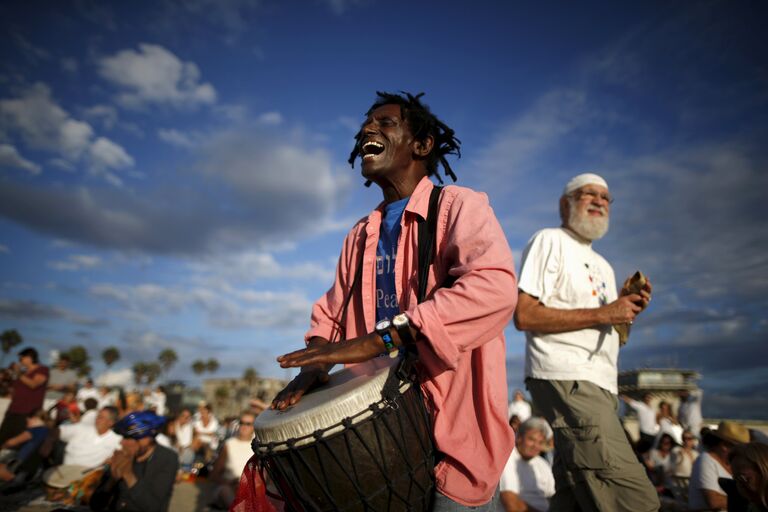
[
  {"x": 232, "y": 459},
  {"x": 567, "y": 305},
  {"x": 519, "y": 407},
  {"x": 206, "y": 432},
  {"x": 704, "y": 491},
  {"x": 91, "y": 446},
  {"x": 86, "y": 392},
  {"x": 689, "y": 413},
  {"x": 646, "y": 418},
  {"x": 527, "y": 482}
]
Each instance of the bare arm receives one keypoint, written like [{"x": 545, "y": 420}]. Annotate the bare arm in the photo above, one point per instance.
[
  {"x": 17, "y": 440},
  {"x": 532, "y": 315},
  {"x": 33, "y": 382},
  {"x": 715, "y": 500},
  {"x": 512, "y": 503}
]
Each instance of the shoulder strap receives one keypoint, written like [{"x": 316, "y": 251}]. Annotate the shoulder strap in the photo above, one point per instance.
[
  {"x": 427, "y": 231},
  {"x": 341, "y": 330}
]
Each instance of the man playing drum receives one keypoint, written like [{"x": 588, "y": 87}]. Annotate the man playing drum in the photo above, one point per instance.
[{"x": 457, "y": 329}]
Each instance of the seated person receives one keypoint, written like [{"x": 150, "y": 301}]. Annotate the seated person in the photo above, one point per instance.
[
  {"x": 182, "y": 432},
  {"x": 90, "y": 411},
  {"x": 90, "y": 445},
  {"x": 684, "y": 456},
  {"x": 749, "y": 464},
  {"x": 659, "y": 462},
  {"x": 20, "y": 452},
  {"x": 141, "y": 474},
  {"x": 527, "y": 482},
  {"x": 704, "y": 490},
  {"x": 231, "y": 461},
  {"x": 206, "y": 428}
]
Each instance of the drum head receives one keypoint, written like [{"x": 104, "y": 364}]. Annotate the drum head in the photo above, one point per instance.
[{"x": 348, "y": 394}]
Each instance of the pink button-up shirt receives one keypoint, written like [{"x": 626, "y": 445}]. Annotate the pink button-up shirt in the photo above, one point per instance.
[{"x": 461, "y": 347}]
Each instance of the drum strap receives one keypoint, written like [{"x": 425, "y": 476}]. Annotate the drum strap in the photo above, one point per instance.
[{"x": 343, "y": 314}]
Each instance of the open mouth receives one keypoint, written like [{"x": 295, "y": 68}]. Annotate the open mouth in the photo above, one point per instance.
[{"x": 371, "y": 149}]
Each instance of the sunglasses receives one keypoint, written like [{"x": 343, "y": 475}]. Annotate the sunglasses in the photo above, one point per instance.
[{"x": 246, "y": 423}]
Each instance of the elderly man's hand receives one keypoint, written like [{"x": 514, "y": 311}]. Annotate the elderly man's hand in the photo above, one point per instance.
[
  {"x": 645, "y": 292},
  {"x": 623, "y": 310}
]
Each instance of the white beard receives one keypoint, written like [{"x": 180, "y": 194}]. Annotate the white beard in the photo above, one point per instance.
[{"x": 586, "y": 226}]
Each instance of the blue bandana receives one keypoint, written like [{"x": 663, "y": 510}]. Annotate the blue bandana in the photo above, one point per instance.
[{"x": 138, "y": 425}]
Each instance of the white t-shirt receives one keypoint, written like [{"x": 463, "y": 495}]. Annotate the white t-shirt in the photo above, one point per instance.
[
  {"x": 84, "y": 394},
  {"x": 531, "y": 480},
  {"x": 184, "y": 435},
  {"x": 208, "y": 433},
  {"x": 689, "y": 412},
  {"x": 646, "y": 417},
  {"x": 238, "y": 453},
  {"x": 565, "y": 273},
  {"x": 520, "y": 408},
  {"x": 85, "y": 447},
  {"x": 706, "y": 471}
]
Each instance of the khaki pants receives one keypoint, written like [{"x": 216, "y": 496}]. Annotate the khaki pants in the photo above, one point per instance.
[{"x": 595, "y": 468}]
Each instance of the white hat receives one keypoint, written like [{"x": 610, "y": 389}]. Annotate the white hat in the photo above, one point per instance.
[{"x": 583, "y": 179}]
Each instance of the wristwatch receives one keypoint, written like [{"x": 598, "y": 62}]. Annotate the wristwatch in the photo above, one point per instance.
[
  {"x": 382, "y": 329},
  {"x": 403, "y": 326}
]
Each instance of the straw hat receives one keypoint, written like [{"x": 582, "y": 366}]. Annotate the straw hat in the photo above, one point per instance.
[
  {"x": 732, "y": 432},
  {"x": 61, "y": 476}
]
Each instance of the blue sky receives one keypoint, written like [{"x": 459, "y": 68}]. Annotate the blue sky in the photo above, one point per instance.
[{"x": 173, "y": 174}]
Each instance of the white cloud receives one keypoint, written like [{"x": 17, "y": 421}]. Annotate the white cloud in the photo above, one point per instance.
[
  {"x": 105, "y": 154},
  {"x": 9, "y": 157},
  {"x": 154, "y": 75},
  {"x": 176, "y": 138},
  {"x": 112, "y": 378},
  {"x": 246, "y": 267},
  {"x": 76, "y": 262},
  {"x": 225, "y": 306},
  {"x": 271, "y": 118},
  {"x": 105, "y": 114},
  {"x": 44, "y": 125}
]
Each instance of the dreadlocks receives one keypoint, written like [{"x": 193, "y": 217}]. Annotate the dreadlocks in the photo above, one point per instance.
[{"x": 423, "y": 123}]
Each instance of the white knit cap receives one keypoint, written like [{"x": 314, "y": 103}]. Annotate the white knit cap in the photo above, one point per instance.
[{"x": 583, "y": 179}]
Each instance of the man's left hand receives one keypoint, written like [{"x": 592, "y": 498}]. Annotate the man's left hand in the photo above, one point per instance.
[
  {"x": 645, "y": 292},
  {"x": 356, "y": 350}
]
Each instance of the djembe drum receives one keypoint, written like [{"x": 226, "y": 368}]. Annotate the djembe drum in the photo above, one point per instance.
[{"x": 362, "y": 441}]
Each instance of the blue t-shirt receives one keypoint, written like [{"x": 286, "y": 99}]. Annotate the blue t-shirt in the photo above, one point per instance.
[
  {"x": 386, "y": 252},
  {"x": 28, "y": 448}
]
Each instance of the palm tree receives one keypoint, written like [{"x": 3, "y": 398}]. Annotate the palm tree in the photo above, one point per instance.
[
  {"x": 78, "y": 360},
  {"x": 198, "y": 366},
  {"x": 139, "y": 372},
  {"x": 212, "y": 365},
  {"x": 250, "y": 375},
  {"x": 167, "y": 359},
  {"x": 10, "y": 339},
  {"x": 110, "y": 355},
  {"x": 152, "y": 372}
]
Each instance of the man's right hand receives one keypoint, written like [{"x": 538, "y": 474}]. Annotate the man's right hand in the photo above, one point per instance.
[
  {"x": 309, "y": 377},
  {"x": 623, "y": 310}
]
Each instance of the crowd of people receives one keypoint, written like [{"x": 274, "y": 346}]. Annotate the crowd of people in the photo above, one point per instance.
[
  {"x": 724, "y": 468},
  {"x": 108, "y": 448}
]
